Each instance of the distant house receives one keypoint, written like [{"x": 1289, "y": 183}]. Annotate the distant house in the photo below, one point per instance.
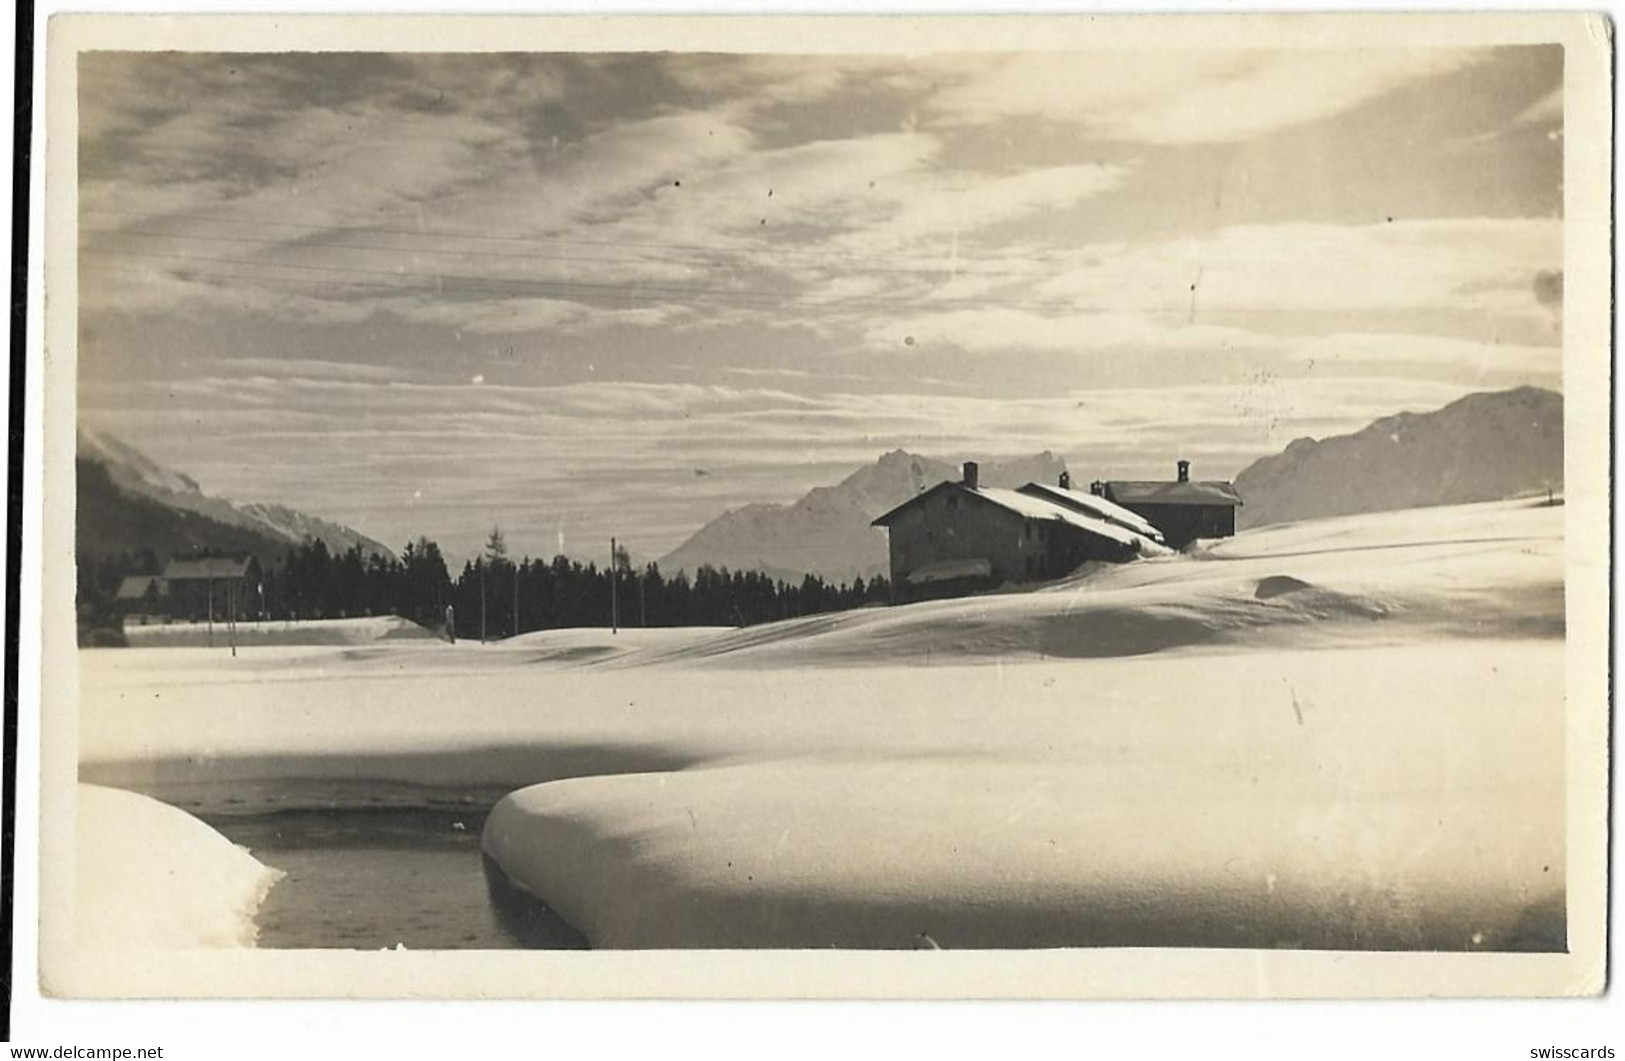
[
  {"x": 1183, "y": 510},
  {"x": 140, "y": 595},
  {"x": 959, "y": 537},
  {"x": 212, "y": 587}
]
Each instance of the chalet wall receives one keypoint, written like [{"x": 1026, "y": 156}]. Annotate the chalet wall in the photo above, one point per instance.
[
  {"x": 953, "y": 525},
  {"x": 1183, "y": 524},
  {"x": 198, "y": 598}
]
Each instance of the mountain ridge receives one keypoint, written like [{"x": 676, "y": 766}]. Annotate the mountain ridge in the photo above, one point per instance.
[
  {"x": 1483, "y": 446},
  {"x": 143, "y": 483}
]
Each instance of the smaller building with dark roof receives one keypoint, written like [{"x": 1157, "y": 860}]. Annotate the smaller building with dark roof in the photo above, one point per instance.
[
  {"x": 141, "y": 595},
  {"x": 212, "y": 587},
  {"x": 1182, "y": 509}
]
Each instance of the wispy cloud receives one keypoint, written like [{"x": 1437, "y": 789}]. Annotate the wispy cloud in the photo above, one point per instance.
[
  {"x": 304, "y": 368},
  {"x": 1548, "y": 108},
  {"x": 1491, "y": 361},
  {"x": 1011, "y": 332},
  {"x": 1482, "y": 264},
  {"x": 529, "y": 287},
  {"x": 1189, "y": 97}
]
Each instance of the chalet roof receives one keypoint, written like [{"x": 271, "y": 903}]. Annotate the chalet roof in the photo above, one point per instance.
[
  {"x": 1161, "y": 492},
  {"x": 207, "y": 567},
  {"x": 134, "y": 587},
  {"x": 1026, "y": 506},
  {"x": 886, "y": 517},
  {"x": 1039, "y": 508},
  {"x": 1094, "y": 505}
]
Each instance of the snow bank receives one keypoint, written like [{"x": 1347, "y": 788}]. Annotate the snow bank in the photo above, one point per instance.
[
  {"x": 1325, "y": 800},
  {"x": 1420, "y": 787},
  {"x": 597, "y": 645},
  {"x": 153, "y": 877},
  {"x": 274, "y": 632}
]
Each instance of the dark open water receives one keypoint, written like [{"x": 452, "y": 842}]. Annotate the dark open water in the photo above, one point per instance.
[{"x": 375, "y": 879}]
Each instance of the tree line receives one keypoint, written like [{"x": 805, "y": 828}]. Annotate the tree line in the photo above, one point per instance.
[{"x": 495, "y": 596}]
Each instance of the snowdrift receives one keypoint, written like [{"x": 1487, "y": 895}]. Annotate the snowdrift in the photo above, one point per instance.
[
  {"x": 1337, "y": 734},
  {"x": 275, "y": 632},
  {"x": 153, "y": 877},
  {"x": 596, "y": 645},
  {"x": 1358, "y": 799}
]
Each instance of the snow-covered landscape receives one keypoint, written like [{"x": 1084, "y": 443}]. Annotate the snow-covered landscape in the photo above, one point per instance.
[
  {"x": 1343, "y": 733},
  {"x": 1035, "y": 512}
]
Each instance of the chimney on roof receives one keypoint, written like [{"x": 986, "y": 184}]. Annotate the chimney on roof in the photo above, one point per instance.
[
  {"x": 970, "y": 474},
  {"x": 1097, "y": 488},
  {"x": 1066, "y": 480},
  {"x": 1184, "y": 471}
]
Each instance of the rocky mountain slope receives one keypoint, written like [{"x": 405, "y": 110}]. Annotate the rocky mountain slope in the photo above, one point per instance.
[
  {"x": 1483, "y": 447},
  {"x": 127, "y": 501}
]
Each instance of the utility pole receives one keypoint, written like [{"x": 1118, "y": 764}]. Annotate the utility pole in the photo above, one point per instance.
[
  {"x": 614, "y": 597},
  {"x": 516, "y": 600},
  {"x": 495, "y": 549}
]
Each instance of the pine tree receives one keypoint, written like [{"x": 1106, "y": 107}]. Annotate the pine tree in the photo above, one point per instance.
[{"x": 496, "y": 547}]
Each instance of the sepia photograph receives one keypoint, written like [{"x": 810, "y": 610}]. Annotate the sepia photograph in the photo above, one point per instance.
[{"x": 1097, "y": 494}]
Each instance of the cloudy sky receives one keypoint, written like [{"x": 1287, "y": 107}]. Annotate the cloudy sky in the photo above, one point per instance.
[{"x": 584, "y": 295}]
